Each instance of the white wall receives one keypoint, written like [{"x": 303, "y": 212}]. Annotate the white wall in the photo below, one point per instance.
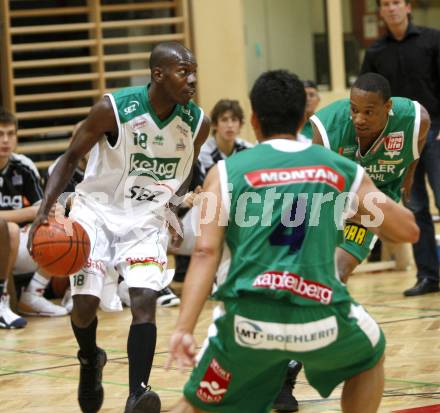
[
  {"x": 279, "y": 35},
  {"x": 255, "y": 32}
]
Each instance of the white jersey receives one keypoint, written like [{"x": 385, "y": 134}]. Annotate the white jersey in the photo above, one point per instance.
[{"x": 128, "y": 184}]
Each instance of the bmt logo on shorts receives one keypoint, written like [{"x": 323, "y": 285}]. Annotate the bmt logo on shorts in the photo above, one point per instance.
[
  {"x": 283, "y": 336},
  {"x": 214, "y": 384},
  {"x": 394, "y": 141},
  {"x": 249, "y": 333}
]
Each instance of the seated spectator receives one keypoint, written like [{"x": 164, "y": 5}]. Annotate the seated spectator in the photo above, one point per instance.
[
  {"x": 9, "y": 239},
  {"x": 20, "y": 191}
]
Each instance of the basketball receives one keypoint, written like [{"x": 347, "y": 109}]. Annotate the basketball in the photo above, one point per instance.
[{"x": 57, "y": 252}]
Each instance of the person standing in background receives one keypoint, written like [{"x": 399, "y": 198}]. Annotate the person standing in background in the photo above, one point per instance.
[
  {"x": 312, "y": 102},
  {"x": 409, "y": 57}
]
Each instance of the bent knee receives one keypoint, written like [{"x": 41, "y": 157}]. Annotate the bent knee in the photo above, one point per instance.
[
  {"x": 143, "y": 305},
  {"x": 84, "y": 309}
]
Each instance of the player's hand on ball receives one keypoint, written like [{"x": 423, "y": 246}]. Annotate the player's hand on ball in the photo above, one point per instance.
[
  {"x": 182, "y": 350},
  {"x": 40, "y": 219}
]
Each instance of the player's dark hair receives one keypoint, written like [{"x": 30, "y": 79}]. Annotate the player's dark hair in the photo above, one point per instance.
[
  {"x": 310, "y": 83},
  {"x": 373, "y": 82},
  {"x": 224, "y": 105},
  {"x": 278, "y": 99},
  {"x": 161, "y": 53},
  {"x": 7, "y": 117}
]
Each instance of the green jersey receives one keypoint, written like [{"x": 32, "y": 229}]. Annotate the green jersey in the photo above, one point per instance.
[
  {"x": 389, "y": 156},
  {"x": 285, "y": 211},
  {"x": 307, "y": 130},
  {"x": 138, "y": 174}
]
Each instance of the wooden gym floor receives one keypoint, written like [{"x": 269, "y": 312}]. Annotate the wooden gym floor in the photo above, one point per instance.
[{"x": 39, "y": 369}]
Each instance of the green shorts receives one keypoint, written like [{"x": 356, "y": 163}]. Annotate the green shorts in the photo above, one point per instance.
[
  {"x": 243, "y": 363},
  {"x": 359, "y": 241}
]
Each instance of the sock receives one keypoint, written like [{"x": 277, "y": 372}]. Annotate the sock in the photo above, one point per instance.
[
  {"x": 38, "y": 284},
  {"x": 2, "y": 287},
  {"x": 140, "y": 348},
  {"x": 86, "y": 338}
]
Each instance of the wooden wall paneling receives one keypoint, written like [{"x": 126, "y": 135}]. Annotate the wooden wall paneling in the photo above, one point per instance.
[
  {"x": 97, "y": 49},
  {"x": 51, "y": 82},
  {"x": 6, "y": 75}
]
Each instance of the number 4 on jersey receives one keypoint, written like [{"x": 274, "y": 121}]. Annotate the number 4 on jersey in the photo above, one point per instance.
[{"x": 291, "y": 236}]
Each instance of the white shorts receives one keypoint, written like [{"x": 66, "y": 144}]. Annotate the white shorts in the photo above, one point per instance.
[
  {"x": 190, "y": 223},
  {"x": 138, "y": 256},
  {"x": 24, "y": 263}
]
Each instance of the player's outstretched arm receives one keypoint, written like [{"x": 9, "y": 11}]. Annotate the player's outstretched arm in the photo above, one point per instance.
[
  {"x": 198, "y": 142},
  {"x": 425, "y": 124},
  {"x": 101, "y": 120},
  {"x": 390, "y": 221},
  {"x": 201, "y": 273},
  {"x": 200, "y": 139}
]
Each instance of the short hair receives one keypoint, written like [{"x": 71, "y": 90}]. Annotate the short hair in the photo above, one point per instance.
[
  {"x": 7, "y": 117},
  {"x": 224, "y": 105},
  {"x": 278, "y": 99},
  {"x": 378, "y": 2},
  {"x": 162, "y": 52},
  {"x": 374, "y": 82},
  {"x": 310, "y": 83}
]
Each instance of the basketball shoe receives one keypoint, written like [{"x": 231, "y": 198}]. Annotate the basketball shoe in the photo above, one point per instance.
[
  {"x": 33, "y": 303},
  {"x": 285, "y": 401},
  {"x": 167, "y": 298},
  {"x": 90, "y": 390},
  {"x": 144, "y": 401},
  {"x": 8, "y": 319}
]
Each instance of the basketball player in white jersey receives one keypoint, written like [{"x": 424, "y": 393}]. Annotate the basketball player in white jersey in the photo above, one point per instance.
[{"x": 152, "y": 137}]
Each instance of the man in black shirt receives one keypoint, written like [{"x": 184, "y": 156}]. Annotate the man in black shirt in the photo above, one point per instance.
[{"x": 409, "y": 57}]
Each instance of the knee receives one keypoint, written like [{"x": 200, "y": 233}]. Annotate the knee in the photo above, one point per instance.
[
  {"x": 84, "y": 310},
  {"x": 143, "y": 305}
]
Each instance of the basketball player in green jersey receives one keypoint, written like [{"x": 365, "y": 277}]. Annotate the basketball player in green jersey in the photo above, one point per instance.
[
  {"x": 143, "y": 141},
  {"x": 383, "y": 134},
  {"x": 281, "y": 298}
]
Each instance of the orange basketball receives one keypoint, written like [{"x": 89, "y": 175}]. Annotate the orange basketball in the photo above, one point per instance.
[{"x": 57, "y": 252}]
